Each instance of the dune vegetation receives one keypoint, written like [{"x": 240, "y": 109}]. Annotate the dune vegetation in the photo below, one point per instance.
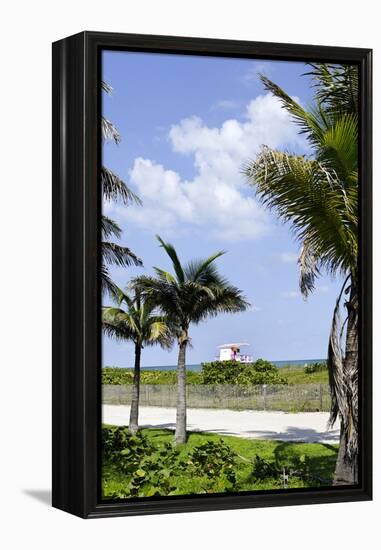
[{"x": 208, "y": 463}]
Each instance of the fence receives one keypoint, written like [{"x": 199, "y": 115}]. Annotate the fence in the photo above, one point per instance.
[{"x": 297, "y": 398}]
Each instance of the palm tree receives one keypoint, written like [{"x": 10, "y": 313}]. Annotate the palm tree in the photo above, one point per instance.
[
  {"x": 142, "y": 325},
  {"x": 191, "y": 294},
  {"x": 318, "y": 196},
  {"x": 114, "y": 188}
]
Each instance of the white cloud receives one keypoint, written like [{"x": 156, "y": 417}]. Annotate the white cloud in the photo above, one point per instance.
[
  {"x": 170, "y": 203},
  {"x": 288, "y": 257},
  {"x": 217, "y": 199}
]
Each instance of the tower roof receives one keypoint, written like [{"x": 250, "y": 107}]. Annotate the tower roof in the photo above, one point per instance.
[{"x": 234, "y": 345}]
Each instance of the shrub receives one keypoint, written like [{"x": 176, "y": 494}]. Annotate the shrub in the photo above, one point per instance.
[
  {"x": 150, "y": 469},
  {"x": 118, "y": 376},
  {"x": 284, "y": 470},
  {"x": 316, "y": 367},
  {"x": 215, "y": 461},
  {"x": 216, "y": 372},
  {"x": 264, "y": 469},
  {"x": 234, "y": 372},
  {"x": 220, "y": 372},
  {"x": 118, "y": 442}
]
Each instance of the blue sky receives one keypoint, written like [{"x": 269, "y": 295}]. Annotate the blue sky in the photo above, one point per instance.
[{"x": 188, "y": 124}]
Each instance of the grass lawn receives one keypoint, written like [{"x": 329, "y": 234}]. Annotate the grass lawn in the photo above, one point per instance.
[
  {"x": 320, "y": 457},
  {"x": 296, "y": 375}
]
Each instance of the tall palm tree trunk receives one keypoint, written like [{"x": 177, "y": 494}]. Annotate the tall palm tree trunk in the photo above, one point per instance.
[
  {"x": 134, "y": 411},
  {"x": 346, "y": 472},
  {"x": 181, "y": 412}
]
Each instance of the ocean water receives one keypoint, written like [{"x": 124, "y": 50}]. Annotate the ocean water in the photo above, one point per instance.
[{"x": 279, "y": 364}]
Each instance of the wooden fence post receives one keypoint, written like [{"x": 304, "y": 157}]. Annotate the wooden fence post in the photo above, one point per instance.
[{"x": 264, "y": 393}]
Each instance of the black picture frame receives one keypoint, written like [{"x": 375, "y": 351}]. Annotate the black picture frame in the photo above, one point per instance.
[{"x": 76, "y": 289}]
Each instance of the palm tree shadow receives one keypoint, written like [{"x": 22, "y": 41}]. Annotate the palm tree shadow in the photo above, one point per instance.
[
  {"x": 322, "y": 465},
  {"x": 298, "y": 435},
  {"x": 330, "y": 447},
  {"x": 42, "y": 495},
  {"x": 166, "y": 426}
]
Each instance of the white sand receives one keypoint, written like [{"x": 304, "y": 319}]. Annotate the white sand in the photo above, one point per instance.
[{"x": 309, "y": 427}]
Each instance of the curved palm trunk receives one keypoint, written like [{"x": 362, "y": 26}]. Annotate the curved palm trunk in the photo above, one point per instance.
[
  {"x": 134, "y": 411},
  {"x": 181, "y": 412},
  {"x": 346, "y": 471}
]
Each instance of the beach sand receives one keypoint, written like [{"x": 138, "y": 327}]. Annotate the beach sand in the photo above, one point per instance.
[{"x": 309, "y": 427}]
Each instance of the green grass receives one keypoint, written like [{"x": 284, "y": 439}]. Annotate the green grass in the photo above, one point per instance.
[
  {"x": 297, "y": 375},
  {"x": 321, "y": 458}
]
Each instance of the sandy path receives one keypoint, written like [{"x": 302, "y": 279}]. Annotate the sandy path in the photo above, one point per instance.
[{"x": 309, "y": 427}]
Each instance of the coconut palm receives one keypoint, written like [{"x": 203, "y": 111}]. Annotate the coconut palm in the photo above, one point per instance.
[
  {"x": 318, "y": 196},
  {"x": 191, "y": 294},
  {"x": 114, "y": 188},
  {"x": 139, "y": 323}
]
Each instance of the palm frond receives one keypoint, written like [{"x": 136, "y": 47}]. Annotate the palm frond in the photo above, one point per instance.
[
  {"x": 109, "y": 228},
  {"x": 306, "y": 194},
  {"x": 116, "y": 332},
  {"x": 311, "y": 124},
  {"x": 106, "y": 87},
  {"x": 170, "y": 250},
  {"x": 343, "y": 383},
  {"x": 130, "y": 301},
  {"x": 339, "y": 148},
  {"x": 228, "y": 299},
  {"x": 159, "y": 331},
  {"x": 198, "y": 291},
  {"x": 114, "y": 188},
  {"x": 109, "y": 131},
  {"x": 335, "y": 364},
  {"x": 336, "y": 87},
  {"x": 118, "y": 324},
  {"x": 164, "y": 275},
  {"x": 159, "y": 293},
  {"x": 209, "y": 276},
  {"x": 116, "y": 254},
  {"x": 138, "y": 322},
  {"x": 308, "y": 269},
  {"x": 199, "y": 268},
  {"x": 107, "y": 284}
]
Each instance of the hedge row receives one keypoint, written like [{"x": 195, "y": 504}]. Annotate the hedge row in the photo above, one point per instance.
[{"x": 216, "y": 372}]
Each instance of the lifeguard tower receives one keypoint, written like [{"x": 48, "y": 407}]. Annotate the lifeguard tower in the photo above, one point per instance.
[{"x": 232, "y": 352}]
